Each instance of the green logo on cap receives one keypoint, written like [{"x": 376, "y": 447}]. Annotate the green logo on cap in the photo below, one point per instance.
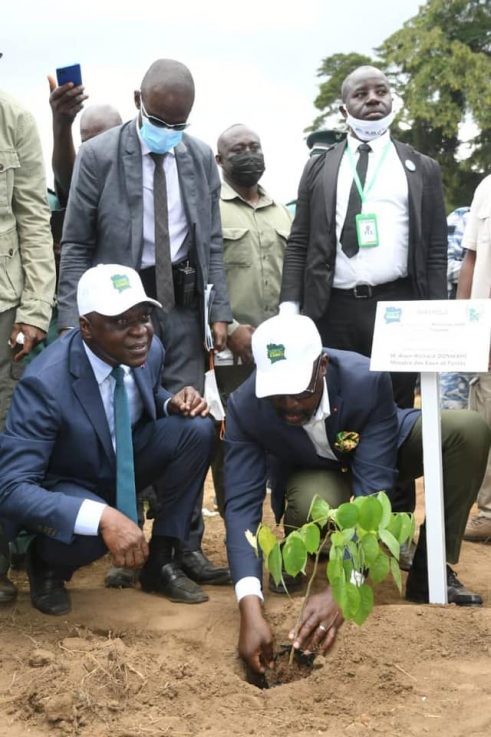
[
  {"x": 120, "y": 282},
  {"x": 276, "y": 352}
]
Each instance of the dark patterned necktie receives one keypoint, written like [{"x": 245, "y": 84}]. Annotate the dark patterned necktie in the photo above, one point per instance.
[
  {"x": 348, "y": 239},
  {"x": 163, "y": 264},
  {"x": 125, "y": 470}
]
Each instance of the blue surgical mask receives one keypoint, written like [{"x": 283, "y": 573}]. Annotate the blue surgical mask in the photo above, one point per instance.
[{"x": 159, "y": 140}]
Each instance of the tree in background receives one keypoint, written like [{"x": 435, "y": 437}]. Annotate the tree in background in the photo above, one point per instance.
[{"x": 439, "y": 64}]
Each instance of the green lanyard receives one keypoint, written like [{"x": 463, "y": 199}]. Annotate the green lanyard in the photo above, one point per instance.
[{"x": 363, "y": 192}]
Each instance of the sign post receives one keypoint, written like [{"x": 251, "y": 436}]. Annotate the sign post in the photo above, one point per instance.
[{"x": 431, "y": 337}]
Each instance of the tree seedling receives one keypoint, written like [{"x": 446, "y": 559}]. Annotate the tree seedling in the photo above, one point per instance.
[{"x": 365, "y": 537}]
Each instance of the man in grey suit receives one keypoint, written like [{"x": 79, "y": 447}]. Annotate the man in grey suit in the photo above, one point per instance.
[{"x": 146, "y": 195}]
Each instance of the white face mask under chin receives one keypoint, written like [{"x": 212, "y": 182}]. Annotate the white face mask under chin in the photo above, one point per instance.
[{"x": 367, "y": 130}]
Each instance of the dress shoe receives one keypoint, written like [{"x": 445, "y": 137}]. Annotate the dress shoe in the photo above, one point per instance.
[
  {"x": 197, "y": 566},
  {"x": 171, "y": 581},
  {"x": 417, "y": 589},
  {"x": 48, "y": 593},
  {"x": 292, "y": 583},
  {"x": 478, "y": 529},
  {"x": 406, "y": 555},
  {"x": 8, "y": 591},
  {"x": 120, "y": 578}
]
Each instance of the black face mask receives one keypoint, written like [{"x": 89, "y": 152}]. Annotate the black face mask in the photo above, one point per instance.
[{"x": 246, "y": 168}]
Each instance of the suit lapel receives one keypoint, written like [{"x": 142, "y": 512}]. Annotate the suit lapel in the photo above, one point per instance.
[
  {"x": 411, "y": 162},
  {"x": 335, "y": 404},
  {"x": 332, "y": 163},
  {"x": 86, "y": 389},
  {"x": 144, "y": 384},
  {"x": 187, "y": 181},
  {"x": 133, "y": 177}
]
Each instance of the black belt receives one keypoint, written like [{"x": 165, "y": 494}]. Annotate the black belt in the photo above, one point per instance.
[{"x": 366, "y": 291}]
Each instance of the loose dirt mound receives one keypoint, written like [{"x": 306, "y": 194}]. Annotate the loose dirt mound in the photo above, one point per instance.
[{"x": 127, "y": 664}]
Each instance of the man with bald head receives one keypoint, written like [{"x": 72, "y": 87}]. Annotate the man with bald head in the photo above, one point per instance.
[
  {"x": 145, "y": 194},
  {"x": 96, "y": 119},
  {"x": 255, "y": 230},
  {"x": 370, "y": 225}
]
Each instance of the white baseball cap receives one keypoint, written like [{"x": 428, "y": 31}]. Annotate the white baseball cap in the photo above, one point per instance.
[
  {"x": 110, "y": 289},
  {"x": 285, "y": 348}
]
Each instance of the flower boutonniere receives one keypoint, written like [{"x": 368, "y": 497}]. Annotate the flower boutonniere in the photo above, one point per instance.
[{"x": 346, "y": 441}]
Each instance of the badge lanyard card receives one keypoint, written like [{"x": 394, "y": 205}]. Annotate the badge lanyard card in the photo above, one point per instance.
[{"x": 366, "y": 223}]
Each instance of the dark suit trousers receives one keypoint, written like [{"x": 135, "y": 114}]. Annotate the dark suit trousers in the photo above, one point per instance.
[
  {"x": 173, "y": 454},
  {"x": 348, "y": 325}
]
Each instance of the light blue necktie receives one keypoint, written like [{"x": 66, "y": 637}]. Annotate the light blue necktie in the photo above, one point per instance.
[{"x": 125, "y": 470}]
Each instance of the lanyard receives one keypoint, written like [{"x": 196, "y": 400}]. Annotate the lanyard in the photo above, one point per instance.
[{"x": 363, "y": 192}]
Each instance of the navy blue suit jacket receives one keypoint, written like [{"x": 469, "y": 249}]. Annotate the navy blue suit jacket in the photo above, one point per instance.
[
  {"x": 360, "y": 401},
  {"x": 57, "y": 432}
]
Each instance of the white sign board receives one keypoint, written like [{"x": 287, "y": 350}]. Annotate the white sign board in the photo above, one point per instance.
[{"x": 432, "y": 335}]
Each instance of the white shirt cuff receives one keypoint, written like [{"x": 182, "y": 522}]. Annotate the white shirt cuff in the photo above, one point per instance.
[
  {"x": 88, "y": 517},
  {"x": 289, "y": 308},
  {"x": 247, "y": 586}
]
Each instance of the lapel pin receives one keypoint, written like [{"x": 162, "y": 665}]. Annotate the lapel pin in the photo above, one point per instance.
[{"x": 410, "y": 165}]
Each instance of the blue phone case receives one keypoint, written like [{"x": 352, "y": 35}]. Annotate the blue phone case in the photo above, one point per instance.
[{"x": 69, "y": 74}]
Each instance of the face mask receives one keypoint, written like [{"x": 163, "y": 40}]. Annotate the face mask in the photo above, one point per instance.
[
  {"x": 246, "y": 168},
  {"x": 367, "y": 130},
  {"x": 159, "y": 140}
]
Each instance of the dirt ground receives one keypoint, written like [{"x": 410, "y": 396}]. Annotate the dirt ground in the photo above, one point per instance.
[{"x": 129, "y": 664}]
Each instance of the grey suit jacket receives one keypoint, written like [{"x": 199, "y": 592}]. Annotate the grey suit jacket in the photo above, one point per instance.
[
  {"x": 104, "y": 217},
  {"x": 308, "y": 270}
]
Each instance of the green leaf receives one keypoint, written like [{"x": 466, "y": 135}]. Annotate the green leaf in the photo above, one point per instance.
[
  {"x": 347, "y": 535},
  {"x": 370, "y": 547},
  {"x": 336, "y": 553},
  {"x": 347, "y": 515},
  {"x": 366, "y": 604},
  {"x": 311, "y": 536},
  {"x": 337, "y": 540},
  {"x": 319, "y": 511},
  {"x": 391, "y": 542},
  {"x": 335, "y": 570},
  {"x": 339, "y": 587},
  {"x": 294, "y": 554},
  {"x": 353, "y": 601},
  {"x": 396, "y": 573},
  {"x": 273, "y": 563},
  {"x": 370, "y": 513},
  {"x": 380, "y": 568},
  {"x": 386, "y": 508},
  {"x": 395, "y": 524},
  {"x": 407, "y": 528},
  {"x": 348, "y": 567},
  {"x": 353, "y": 550},
  {"x": 266, "y": 539}
]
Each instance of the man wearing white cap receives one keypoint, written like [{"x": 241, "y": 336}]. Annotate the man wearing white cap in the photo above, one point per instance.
[
  {"x": 89, "y": 427},
  {"x": 297, "y": 408}
]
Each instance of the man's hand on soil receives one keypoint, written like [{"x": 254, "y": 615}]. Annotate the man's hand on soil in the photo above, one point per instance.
[
  {"x": 124, "y": 539},
  {"x": 319, "y": 625},
  {"x": 255, "y": 638}
]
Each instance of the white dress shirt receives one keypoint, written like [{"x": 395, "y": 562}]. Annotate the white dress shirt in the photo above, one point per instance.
[
  {"x": 178, "y": 224},
  {"x": 387, "y": 198},
  {"x": 89, "y": 514},
  {"x": 316, "y": 430}
]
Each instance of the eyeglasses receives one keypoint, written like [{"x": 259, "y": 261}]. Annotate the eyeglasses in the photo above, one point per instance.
[
  {"x": 307, "y": 393},
  {"x": 161, "y": 123}
]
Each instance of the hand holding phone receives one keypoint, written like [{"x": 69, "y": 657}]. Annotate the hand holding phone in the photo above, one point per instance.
[{"x": 67, "y": 97}]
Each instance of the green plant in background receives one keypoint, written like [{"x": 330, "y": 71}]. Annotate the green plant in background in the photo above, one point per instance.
[{"x": 365, "y": 538}]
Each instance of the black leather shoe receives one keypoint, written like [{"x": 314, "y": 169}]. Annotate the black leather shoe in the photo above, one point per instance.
[
  {"x": 196, "y": 565},
  {"x": 172, "y": 582},
  {"x": 292, "y": 583},
  {"x": 48, "y": 593},
  {"x": 8, "y": 591},
  {"x": 417, "y": 589},
  {"x": 120, "y": 578}
]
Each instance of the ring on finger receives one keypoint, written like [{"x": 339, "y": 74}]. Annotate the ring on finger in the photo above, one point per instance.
[{"x": 321, "y": 627}]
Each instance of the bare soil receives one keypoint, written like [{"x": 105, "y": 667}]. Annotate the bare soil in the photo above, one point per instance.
[{"x": 129, "y": 664}]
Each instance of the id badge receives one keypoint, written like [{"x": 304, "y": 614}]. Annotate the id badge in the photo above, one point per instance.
[{"x": 366, "y": 231}]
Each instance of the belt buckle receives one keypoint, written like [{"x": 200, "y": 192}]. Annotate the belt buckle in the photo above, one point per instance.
[{"x": 362, "y": 291}]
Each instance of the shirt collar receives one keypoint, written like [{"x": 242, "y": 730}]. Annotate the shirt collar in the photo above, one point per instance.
[
  {"x": 377, "y": 144},
  {"x": 229, "y": 193},
  {"x": 144, "y": 148},
  {"x": 100, "y": 368},
  {"x": 323, "y": 410}
]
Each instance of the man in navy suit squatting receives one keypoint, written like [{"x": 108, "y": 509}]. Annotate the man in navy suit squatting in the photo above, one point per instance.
[
  {"x": 292, "y": 408},
  {"x": 89, "y": 427}
]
